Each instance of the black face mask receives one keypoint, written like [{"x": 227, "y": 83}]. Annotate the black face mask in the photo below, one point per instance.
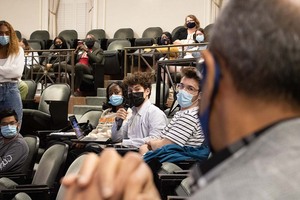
[
  {"x": 58, "y": 46},
  {"x": 89, "y": 43},
  {"x": 165, "y": 41},
  {"x": 191, "y": 24},
  {"x": 136, "y": 98}
]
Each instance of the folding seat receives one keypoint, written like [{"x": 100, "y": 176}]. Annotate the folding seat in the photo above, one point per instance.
[
  {"x": 114, "y": 58},
  {"x": 43, "y": 36},
  {"x": 71, "y": 36},
  {"x": 122, "y": 34},
  {"x": 207, "y": 32},
  {"x": 52, "y": 112},
  {"x": 46, "y": 178},
  {"x": 149, "y": 37},
  {"x": 176, "y": 29},
  {"x": 19, "y": 34}
]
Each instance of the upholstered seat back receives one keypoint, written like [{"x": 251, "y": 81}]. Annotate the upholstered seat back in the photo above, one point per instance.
[{"x": 55, "y": 92}]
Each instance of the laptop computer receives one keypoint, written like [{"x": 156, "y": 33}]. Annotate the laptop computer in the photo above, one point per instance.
[{"x": 80, "y": 134}]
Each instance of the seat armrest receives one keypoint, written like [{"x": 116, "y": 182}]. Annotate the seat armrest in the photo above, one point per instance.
[
  {"x": 176, "y": 198},
  {"x": 34, "y": 192},
  {"x": 98, "y": 69},
  {"x": 59, "y": 112},
  {"x": 30, "y": 186},
  {"x": 182, "y": 171},
  {"x": 172, "y": 176}
]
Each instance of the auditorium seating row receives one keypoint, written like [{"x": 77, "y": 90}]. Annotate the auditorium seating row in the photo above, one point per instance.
[{"x": 40, "y": 39}]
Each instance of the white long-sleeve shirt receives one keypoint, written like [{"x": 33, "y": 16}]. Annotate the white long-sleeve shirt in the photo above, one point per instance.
[
  {"x": 12, "y": 67},
  {"x": 145, "y": 124}
]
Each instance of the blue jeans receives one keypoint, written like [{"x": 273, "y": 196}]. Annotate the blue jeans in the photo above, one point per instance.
[{"x": 10, "y": 98}]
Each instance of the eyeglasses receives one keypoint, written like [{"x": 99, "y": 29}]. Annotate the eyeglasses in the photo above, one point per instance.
[
  {"x": 188, "y": 88},
  {"x": 8, "y": 123}
]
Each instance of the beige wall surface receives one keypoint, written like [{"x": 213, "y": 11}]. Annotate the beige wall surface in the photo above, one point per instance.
[
  {"x": 110, "y": 15},
  {"x": 23, "y": 15}
]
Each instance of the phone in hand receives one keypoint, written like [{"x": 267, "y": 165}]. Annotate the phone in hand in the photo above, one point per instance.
[{"x": 79, "y": 42}]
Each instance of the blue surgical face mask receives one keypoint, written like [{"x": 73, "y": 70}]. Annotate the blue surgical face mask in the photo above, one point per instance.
[
  {"x": 205, "y": 115},
  {"x": 184, "y": 98},
  {"x": 115, "y": 100},
  {"x": 9, "y": 131},
  {"x": 4, "y": 40},
  {"x": 200, "y": 38}
]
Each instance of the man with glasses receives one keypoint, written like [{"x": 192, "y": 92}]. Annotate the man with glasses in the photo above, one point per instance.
[
  {"x": 249, "y": 112},
  {"x": 183, "y": 136},
  {"x": 13, "y": 147}
]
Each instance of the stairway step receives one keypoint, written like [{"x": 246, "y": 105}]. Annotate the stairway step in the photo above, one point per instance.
[
  {"x": 81, "y": 109},
  {"x": 96, "y": 101},
  {"x": 101, "y": 92}
]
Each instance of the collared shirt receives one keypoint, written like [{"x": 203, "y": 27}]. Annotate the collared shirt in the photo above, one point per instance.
[{"x": 144, "y": 125}]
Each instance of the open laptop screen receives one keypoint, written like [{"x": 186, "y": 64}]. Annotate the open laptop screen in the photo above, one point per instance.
[{"x": 74, "y": 123}]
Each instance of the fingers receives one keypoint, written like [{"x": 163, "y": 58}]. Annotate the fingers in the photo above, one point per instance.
[
  {"x": 128, "y": 165},
  {"x": 109, "y": 163},
  {"x": 85, "y": 174},
  {"x": 140, "y": 184},
  {"x": 122, "y": 113}
]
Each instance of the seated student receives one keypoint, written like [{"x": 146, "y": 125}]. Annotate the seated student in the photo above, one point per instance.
[
  {"x": 23, "y": 87},
  {"x": 13, "y": 148},
  {"x": 115, "y": 99},
  {"x": 147, "y": 120},
  {"x": 182, "y": 138},
  {"x": 167, "y": 52},
  {"x": 185, "y": 35},
  {"x": 87, "y": 54},
  {"x": 249, "y": 112},
  {"x": 55, "y": 59},
  {"x": 194, "y": 51},
  {"x": 31, "y": 59}
]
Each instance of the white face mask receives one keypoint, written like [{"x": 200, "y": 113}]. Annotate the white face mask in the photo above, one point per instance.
[
  {"x": 200, "y": 38},
  {"x": 4, "y": 40}
]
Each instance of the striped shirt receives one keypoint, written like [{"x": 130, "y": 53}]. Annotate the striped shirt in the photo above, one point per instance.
[{"x": 184, "y": 129}]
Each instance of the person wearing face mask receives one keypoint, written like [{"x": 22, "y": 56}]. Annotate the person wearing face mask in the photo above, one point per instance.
[
  {"x": 55, "y": 59},
  {"x": 249, "y": 111},
  {"x": 195, "y": 51},
  {"x": 185, "y": 35},
  {"x": 115, "y": 100},
  {"x": 182, "y": 138},
  {"x": 13, "y": 147},
  {"x": 147, "y": 120},
  {"x": 11, "y": 69},
  {"x": 87, "y": 54}
]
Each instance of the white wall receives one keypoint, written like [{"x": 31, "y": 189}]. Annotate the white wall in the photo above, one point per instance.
[
  {"x": 140, "y": 14},
  {"x": 29, "y": 15},
  {"x": 22, "y": 15}
]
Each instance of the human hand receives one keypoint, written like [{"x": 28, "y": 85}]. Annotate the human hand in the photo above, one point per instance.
[
  {"x": 48, "y": 66},
  {"x": 122, "y": 113},
  {"x": 143, "y": 149},
  {"x": 111, "y": 176},
  {"x": 154, "y": 144}
]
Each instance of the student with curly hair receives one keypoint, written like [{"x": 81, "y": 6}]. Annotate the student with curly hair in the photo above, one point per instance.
[{"x": 147, "y": 120}]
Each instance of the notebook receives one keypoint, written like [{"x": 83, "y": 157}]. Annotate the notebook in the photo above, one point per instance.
[{"x": 80, "y": 135}]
